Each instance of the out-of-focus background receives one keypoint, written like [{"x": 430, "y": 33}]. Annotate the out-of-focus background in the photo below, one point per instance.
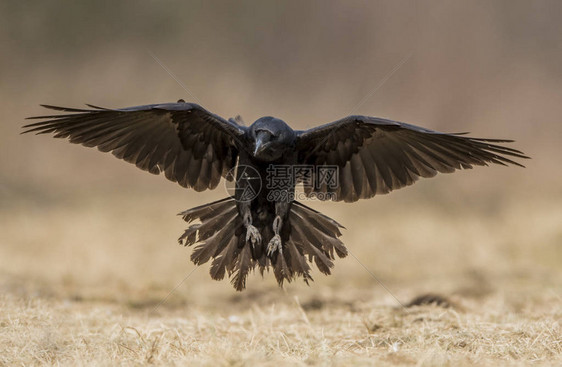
[{"x": 82, "y": 227}]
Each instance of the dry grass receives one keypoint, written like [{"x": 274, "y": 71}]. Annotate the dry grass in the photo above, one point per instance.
[
  {"x": 38, "y": 331},
  {"x": 85, "y": 279}
]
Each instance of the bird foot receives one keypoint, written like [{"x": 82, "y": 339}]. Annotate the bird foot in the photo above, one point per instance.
[
  {"x": 274, "y": 245},
  {"x": 253, "y": 235}
]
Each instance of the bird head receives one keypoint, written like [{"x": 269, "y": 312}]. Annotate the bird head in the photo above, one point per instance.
[{"x": 272, "y": 137}]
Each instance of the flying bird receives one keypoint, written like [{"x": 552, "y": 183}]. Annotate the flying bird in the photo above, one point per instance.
[{"x": 261, "y": 225}]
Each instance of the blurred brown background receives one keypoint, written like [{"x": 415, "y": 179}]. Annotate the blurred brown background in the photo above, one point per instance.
[{"x": 73, "y": 217}]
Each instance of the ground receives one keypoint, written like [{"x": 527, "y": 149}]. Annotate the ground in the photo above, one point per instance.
[{"x": 95, "y": 278}]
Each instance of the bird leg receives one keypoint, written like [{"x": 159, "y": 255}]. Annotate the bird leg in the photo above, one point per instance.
[
  {"x": 252, "y": 233},
  {"x": 275, "y": 243}
]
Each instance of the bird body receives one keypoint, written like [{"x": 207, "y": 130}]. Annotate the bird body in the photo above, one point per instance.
[{"x": 261, "y": 225}]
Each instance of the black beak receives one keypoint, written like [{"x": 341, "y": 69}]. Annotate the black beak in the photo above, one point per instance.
[{"x": 262, "y": 138}]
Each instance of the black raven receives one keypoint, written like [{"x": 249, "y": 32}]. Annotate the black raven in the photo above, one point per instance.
[{"x": 261, "y": 224}]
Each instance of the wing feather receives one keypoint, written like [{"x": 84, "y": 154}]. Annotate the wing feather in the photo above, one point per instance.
[
  {"x": 376, "y": 156},
  {"x": 188, "y": 143}
]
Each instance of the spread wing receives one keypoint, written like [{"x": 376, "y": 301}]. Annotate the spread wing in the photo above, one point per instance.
[
  {"x": 192, "y": 146},
  {"x": 375, "y": 156}
]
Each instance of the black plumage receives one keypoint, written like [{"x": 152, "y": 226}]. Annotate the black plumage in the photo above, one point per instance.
[{"x": 195, "y": 148}]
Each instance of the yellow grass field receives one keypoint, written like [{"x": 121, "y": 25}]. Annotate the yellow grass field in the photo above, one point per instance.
[{"x": 100, "y": 280}]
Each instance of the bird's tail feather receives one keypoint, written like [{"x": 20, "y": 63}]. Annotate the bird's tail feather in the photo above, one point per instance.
[{"x": 218, "y": 233}]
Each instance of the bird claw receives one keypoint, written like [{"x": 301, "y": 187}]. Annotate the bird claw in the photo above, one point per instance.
[
  {"x": 253, "y": 235},
  {"x": 274, "y": 245}
]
